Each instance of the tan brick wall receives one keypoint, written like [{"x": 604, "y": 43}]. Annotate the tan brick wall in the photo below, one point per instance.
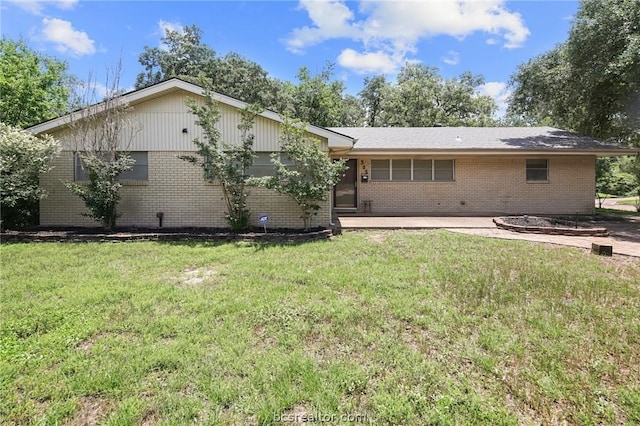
[
  {"x": 490, "y": 185},
  {"x": 175, "y": 188}
]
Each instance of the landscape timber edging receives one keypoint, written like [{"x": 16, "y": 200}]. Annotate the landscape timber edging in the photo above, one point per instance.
[
  {"x": 130, "y": 236},
  {"x": 548, "y": 230}
]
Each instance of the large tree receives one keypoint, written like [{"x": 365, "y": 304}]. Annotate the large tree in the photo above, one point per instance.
[
  {"x": 590, "y": 83},
  {"x": 422, "y": 98},
  {"x": 186, "y": 56},
  {"x": 373, "y": 95},
  {"x": 33, "y": 87},
  {"x": 316, "y": 99}
]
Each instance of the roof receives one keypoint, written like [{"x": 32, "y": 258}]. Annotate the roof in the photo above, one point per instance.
[
  {"x": 477, "y": 140},
  {"x": 176, "y": 84}
]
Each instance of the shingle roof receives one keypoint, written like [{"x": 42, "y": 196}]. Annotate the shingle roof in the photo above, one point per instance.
[{"x": 472, "y": 138}]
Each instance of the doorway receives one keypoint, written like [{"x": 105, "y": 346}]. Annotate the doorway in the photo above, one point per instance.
[{"x": 345, "y": 191}]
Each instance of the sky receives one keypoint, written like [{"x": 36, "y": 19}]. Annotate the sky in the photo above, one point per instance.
[{"x": 490, "y": 38}]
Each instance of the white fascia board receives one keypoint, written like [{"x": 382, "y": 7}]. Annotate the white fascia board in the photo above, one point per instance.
[{"x": 502, "y": 153}]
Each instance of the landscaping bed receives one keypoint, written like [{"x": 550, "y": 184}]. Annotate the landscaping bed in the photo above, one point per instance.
[
  {"x": 77, "y": 234},
  {"x": 547, "y": 225}
]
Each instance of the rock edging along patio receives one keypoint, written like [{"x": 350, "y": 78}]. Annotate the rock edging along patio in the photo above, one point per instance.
[
  {"x": 177, "y": 235},
  {"x": 559, "y": 228}
]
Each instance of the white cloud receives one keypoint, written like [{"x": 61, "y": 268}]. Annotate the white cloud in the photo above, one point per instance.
[
  {"x": 171, "y": 26},
  {"x": 499, "y": 91},
  {"x": 66, "y": 38},
  {"x": 452, "y": 58},
  {"x": 331, "y": 20},
  {"x": 396, "y": 27},
  {"x": 369, "y": 62},
  {"x": 35, "y": 7}
]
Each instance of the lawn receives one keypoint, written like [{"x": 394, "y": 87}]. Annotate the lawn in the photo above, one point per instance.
[
  {"x": 387, "y": 327},
  {"x": 629, "y": 202}
]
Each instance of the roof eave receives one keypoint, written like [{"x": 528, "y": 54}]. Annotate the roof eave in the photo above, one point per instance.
[{"x": 499, "y": 152}]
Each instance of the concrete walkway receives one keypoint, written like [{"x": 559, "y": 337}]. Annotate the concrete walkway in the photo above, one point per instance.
[{"x": 624, "y": 236}]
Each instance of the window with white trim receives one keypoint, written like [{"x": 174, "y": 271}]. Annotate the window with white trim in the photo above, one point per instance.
[
  {"x": 537, "y": 170},
  {"x": 138, "y": 173},
  {"x": 413, "y": 170}
]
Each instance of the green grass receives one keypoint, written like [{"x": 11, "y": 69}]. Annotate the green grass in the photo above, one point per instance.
[
  {"x": 628, "y": 202},
  {"x": 617, "y": 212},
  {"x": 376, "y": 327}
]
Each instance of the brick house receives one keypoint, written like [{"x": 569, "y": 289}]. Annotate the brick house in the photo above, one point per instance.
[{"x": 391, "y": 170}]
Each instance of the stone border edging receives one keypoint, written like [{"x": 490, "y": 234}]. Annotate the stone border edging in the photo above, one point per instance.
[
  {"x": 574, "y": 232},
  {"x": 256, "y": 237}
]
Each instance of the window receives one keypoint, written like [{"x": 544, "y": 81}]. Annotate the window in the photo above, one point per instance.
[
  {"x": 537, "y": 170},
  {"x": 422, "y": 170},
  {"x": 262, "y": 165},
  {"x": 412, "y": 170},
  {"x": 443, "y": 170},
  {"x": 401, "y": 169},
  {"x": 380, "y": 170},
  {"x": 139, "y": 172}
]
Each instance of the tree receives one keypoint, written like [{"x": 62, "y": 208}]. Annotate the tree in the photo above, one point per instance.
[
  {"x": 422, "y": 98},
  {"x": 316, "y": 99},
  {"x": 591, "y": 83},
  {"x": 102, "y": 134},
  {"x": 313, "y": 173},
  {"x": 223, "y": 162},
  {"x": 373, "y": 95},
  {"x": 185, "y": 56},
  {"x": 33, "y": 87},
  {"x": 23, "y": 158}
]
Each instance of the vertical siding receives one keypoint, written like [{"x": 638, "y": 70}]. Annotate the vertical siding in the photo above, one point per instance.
[{"x": 160, "y": 122}]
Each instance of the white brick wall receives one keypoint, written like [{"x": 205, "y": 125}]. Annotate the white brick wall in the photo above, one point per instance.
[
  {"x": 490, "y": 185},
  {"x": 175, "y": 188}
]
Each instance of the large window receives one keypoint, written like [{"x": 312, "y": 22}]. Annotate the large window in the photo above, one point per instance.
[
  {"x": 139, "y": 172},
  {"x": 537, "y": 170},
  {"x": 412, "y": 170},
  {"x": 262, "y": 165}
]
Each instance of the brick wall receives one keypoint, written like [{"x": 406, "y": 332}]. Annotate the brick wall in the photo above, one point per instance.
[
  {"x": 490, "y": 185},
  {"x": 175, "y": 188}
]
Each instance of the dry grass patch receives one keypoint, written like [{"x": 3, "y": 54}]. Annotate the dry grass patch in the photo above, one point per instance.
[{"x": 92, "y": 410}]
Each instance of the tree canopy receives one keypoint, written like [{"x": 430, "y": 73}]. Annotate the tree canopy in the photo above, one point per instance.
[
  {"x": 419, "y": 97},
  {"x": 590, "y": 83},
  {"x": 33, "y": 87}
]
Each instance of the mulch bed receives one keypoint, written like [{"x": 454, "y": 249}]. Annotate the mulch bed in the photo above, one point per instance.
[
  {"x": 162, "y": 234},
  {"x": 550, "y": 226}
]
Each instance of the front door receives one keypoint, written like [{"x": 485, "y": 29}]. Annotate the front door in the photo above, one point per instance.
[{"x": 344, "y": 193}]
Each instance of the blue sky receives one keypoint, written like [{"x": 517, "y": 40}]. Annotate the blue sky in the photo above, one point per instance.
[{"x": 487, "y": 37}]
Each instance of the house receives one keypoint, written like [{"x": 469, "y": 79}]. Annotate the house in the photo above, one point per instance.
[
  {"x": 471, "y": 170},
  {"x": 391, "y": 170}
]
